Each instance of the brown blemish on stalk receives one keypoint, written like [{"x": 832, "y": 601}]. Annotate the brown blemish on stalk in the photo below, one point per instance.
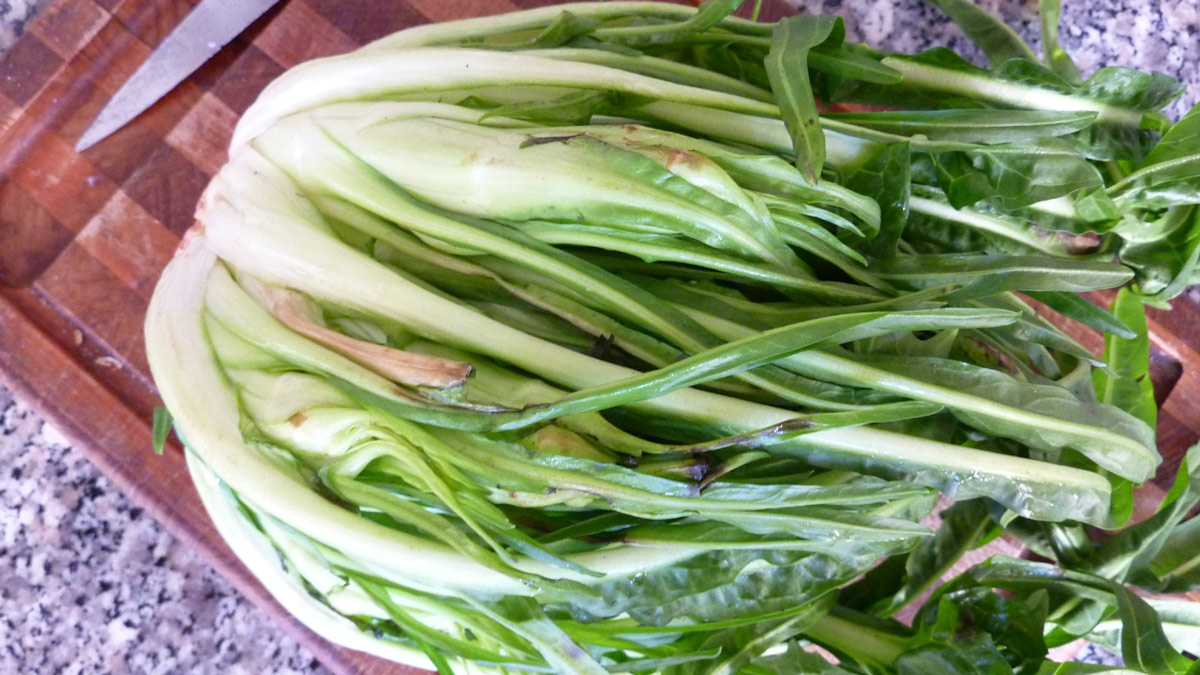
[
  {"x": 1002, "y": 359},
  {"x": 297, "y": 419},
  {"x": 699, "y": 470},
  {"x": 600, "y": 346},
  {"x": 1080, "y": 244},
  {"x": 543, "y": 140},
  {"x": 396, "y": 365},
  {"x": 675, "y": 157},
  {"x": 754, "y": 440}
]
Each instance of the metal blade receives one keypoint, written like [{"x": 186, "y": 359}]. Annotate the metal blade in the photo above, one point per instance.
[{"x": 200, "y": 35}]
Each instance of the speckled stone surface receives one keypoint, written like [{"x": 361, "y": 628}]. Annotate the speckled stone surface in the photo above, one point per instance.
[
  {"x": 14, "y": 16},
  {"x": 89, "y": 583}
]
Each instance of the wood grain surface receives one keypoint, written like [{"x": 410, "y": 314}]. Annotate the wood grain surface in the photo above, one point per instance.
[{"x": 83, "y": 237}]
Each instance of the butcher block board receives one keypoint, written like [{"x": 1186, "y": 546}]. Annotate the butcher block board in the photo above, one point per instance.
[{"x": 83, "y": 237}]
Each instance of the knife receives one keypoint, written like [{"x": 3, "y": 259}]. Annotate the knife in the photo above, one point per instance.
[{"x": 201, "y": 34}]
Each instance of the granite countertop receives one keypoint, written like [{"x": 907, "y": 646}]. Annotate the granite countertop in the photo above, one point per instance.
[{"x": 89, "y": 583}]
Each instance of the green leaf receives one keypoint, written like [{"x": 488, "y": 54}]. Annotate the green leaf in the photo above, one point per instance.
[
  {"x": 983, "y": 275},
  {"x": 1071, "y": 494},
  {"x": 565, "y": 28},
  {"x": 574, "y": 108},
  {"x": 1043, "y": 416},
  {"x": 1180, "y": 621},
  {"x": 1177, "y": 566},
  {"x": 1144, "y": 645},
  {"x": 657, "y": 247},
  {"x": 708, "y": 14},
  {"x": 974, "y": 657},
  {"x": 1170, "y": 174},
  {"x": 662, "y": 662},
  {"x": 433, "y": 642},
  {"x": 1131, "y": 89},
  {"x": 787, "y": 68},
  {"x": 793, "y": 661},
  {"x": 780, "y": 591},
  {"x": 1164, "y": 253},
  {"x": 724, "y": 536},
  {"x": 964, "y": 612},
  {"x": 940, "y": 228},
  {"x": 1086, "y": 312},
  {"x": 525, "y": 617},
  {"x": 1127, "y": 102},
  {"x": 1079, "y": 668},
  {"x": 516, "y": 469},
  {"x": 717, "y": 589},
  {"x": 729, "y": 358},
  {"x": 1049, "y": 12},
  {"x": 1035, "y": 329},
  {"x": 161, "y": 428},
  {"x": 965, "y": 526},
  {"x": 849, "y": 61},
  {"x": 883, "y": 413},
  {"x": 1130, "y": 554},
  {"x": 809, "y": 236},
  {"x": 999, "y": 42},
  {"x": 744, "y": 644},
  {"x": 1179, "y": 141},
  {"x": 1015, "y": 175},
  {"x": 971, "y": 125},
  {"x": 1126, "y": 382},
  {"x": 885, "y": 177}
]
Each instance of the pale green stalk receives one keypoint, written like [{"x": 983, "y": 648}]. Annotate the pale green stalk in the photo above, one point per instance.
[
  {"x": 1007, "y": 94},
  {"x": 1129, "y": 457},
  {"x": 290, "y": 253},
  {"x": 258, "y": 553},
  {"x": 430, "y": 71},
  {"x": 985, "y": 223}
]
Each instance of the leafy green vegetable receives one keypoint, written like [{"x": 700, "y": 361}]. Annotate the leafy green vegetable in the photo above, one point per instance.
[
  {"x": 577, "y": 340},
  {"x": 787, "y": 68}
]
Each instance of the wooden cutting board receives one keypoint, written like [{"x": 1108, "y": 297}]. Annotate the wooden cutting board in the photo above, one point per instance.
[{"x": 83, "y": 237}]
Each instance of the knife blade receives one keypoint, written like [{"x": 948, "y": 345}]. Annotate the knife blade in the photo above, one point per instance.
[{"x": 201, "y": 34}]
